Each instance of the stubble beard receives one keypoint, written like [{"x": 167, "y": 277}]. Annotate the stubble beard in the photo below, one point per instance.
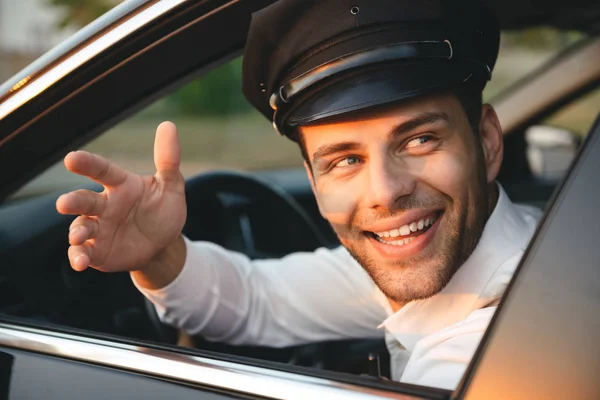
[{"x": 427, "y": 274}]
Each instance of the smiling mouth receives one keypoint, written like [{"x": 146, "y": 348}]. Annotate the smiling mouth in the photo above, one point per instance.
[{"x": 406, "y": 233}]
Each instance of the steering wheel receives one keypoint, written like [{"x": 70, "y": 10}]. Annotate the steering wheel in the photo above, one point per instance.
[{"x": 229, "y": 208}]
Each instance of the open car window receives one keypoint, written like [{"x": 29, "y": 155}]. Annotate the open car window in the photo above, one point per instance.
[
  {"x": 524, "y": 51},
  {"x": 578, "y": 115},
  {"x": 553, "y": 143},
  {"x": 217, "y": 128}
]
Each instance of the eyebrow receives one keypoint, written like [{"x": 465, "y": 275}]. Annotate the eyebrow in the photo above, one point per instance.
[
  {"x": 419, "y": 120},
  {"x": 330, "y": 149}
]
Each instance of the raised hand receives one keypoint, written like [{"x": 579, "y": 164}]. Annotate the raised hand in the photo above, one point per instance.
[{"x": 135, "y": 218}]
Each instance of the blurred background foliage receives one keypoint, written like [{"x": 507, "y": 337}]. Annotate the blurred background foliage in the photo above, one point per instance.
[
  {"x": 80, "y": 12},
  {"x": 217, "y": 93},
  {"x": 541, "y": 38}
]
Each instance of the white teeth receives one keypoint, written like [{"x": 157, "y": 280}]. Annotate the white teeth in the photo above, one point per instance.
[
  {"x": 401, "y": 242},
  {"x": 407, "y": 229}
]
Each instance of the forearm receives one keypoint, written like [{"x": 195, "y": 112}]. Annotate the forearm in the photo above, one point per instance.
[
  {"x": 188, "y": 291},
  {"x": 164, "y": 268},
  {"x": 226, "y": 297}
]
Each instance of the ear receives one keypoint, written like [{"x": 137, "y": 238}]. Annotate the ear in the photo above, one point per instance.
[
  {"x": 311, "y": 179},
  {"x": 492, "y": 141}
]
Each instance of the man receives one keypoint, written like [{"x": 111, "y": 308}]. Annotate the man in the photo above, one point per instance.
[{"x": 384, "y": 100}]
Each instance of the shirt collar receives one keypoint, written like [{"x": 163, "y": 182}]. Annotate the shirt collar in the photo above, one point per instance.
[{"x": 505, "y": 233}]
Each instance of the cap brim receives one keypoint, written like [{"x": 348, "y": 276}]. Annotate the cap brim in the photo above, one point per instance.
[{"x": 373, "y": 87}]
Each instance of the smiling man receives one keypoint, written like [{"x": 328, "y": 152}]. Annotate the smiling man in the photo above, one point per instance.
[
  {"x": 407, "y": 189},
  {"x": 383, "y": 98}
]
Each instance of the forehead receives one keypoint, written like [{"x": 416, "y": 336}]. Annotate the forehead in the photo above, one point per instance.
[{"x": 380, "y": 121}]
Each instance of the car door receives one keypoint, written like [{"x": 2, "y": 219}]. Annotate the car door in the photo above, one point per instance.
[
  {"x": 37, "y": 362},
  {"x": 543, "y": 341}
]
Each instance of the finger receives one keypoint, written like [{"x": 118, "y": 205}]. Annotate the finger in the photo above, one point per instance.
[
  {"x": 167, "y": 153},
  {"x": 81, "y": 202},
  {"x": 82, "y": 229},
  {"x": 79, "y": 257},
  {"x": 95, "y": 167}
]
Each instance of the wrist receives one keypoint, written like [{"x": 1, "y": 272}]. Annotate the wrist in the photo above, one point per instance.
[{"x": 163, "y": 268}]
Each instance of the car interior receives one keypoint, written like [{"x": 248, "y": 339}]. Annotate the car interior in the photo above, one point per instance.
[{"x": 239, "y": 210}]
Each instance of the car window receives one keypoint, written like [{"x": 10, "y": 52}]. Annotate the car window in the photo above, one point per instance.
[
  {"x": 217, "y": 129},
  {"x": 553, "y": 143},
  {"x": 577, "y": 116},
  {"x": 524, "y": 51}
]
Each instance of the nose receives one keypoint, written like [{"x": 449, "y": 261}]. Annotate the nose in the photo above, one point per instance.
[{"x": 389, "y": 179}]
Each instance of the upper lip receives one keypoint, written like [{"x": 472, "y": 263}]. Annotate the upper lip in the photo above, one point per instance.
[{"x": 405, "y": 218}]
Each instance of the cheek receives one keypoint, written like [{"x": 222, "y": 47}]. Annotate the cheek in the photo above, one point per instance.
[
  {"x": 338, "y": 200},
  {"x": 448, "y": 172}
]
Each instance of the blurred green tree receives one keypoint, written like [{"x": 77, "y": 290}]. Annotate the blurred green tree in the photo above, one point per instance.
[
  {"x": 81, "y": 12},
  {"x": 217, "y": 93},
  {"x": 542, "y": 38}
]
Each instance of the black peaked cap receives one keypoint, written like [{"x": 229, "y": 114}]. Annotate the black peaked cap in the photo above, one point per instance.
[{"x": 313, "y": 59}]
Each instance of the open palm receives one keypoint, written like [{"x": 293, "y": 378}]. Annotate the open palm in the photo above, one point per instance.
[{"x": 134, "y": 218}]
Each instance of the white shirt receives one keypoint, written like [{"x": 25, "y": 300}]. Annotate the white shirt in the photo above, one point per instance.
[{"x": 326, "y": 295}]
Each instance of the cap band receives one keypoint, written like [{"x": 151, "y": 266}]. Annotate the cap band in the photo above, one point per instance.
[{"x": 394, "y": 52}]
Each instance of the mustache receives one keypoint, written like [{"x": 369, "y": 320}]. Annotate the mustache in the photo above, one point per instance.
[{"x": 402, "y": 205}]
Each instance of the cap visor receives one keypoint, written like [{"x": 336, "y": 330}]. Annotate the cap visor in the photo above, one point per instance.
[{"x": 376, "y": 86}]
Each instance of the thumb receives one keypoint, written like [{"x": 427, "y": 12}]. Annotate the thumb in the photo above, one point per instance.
[{"x": 167, "y": 153}]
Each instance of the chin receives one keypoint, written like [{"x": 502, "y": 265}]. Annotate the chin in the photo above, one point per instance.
[
  {"x": 408, "y": 284},
  {"x": 402, "y": 281}
]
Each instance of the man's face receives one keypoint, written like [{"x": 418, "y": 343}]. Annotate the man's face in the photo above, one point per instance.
[{"x": 407, "y": 190}]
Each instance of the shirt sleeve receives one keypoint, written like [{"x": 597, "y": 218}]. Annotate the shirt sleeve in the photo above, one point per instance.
[
  {"x": 301, "y": 298},
  {"x": 441, "y": 359}
]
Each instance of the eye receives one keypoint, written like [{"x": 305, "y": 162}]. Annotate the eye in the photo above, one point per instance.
[
  {"x": 418, "y": 141},
  {"x": 347, "y": 162}
]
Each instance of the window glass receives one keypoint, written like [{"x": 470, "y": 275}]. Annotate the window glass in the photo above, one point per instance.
[
  {"x": 552, "y": 144},
  {"x": 578, "y": 116},
  {"x": 217, "y": 129},
  {"x": 522, "y": 52}
]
